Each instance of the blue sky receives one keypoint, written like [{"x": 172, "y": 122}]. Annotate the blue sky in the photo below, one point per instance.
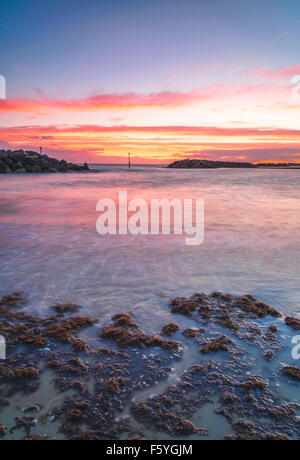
[{"x": 73, "y": 48}]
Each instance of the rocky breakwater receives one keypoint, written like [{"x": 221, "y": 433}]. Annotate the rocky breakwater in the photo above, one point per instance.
[
  {"x": 207, "y": 164},
  {"x": 20, "y": 161}
]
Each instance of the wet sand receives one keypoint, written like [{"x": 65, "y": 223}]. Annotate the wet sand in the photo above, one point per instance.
[{"x": 217, "y": 379}]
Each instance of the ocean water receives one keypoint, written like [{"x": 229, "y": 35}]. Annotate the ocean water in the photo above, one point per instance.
[{"x": 49, "y": 248}]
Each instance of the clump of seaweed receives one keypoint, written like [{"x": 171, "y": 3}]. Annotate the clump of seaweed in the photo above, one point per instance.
[
  {"x": 235, "y": 314},
  {"x": 217, "y": 344},
  {"x": 191, "y": 332},
  {"x": 115, "y": 384},
  {"x": 75, "y": 366},
  {"x": 291, "y": 371},
  {"x": 126, "y": 333},
  {"x": 254, "y": 383},
  {"x": 156, "y": 414},
  {"x": 14, "y": 300},
  {"x": 183, "y": 306},
  {"x": 68, "y": 307},
  {"x": 185, "y": 427},
  {"x": 26, "y": 373},
  {"x": 65, "y": 330},
  {"x": 26, "y": 423},
  {"x": 170, "y": 329},
  {"x": 80, "y": 345},
  {"x": 247, "y": 430},
  {"x": 293, "y": 323},
  {"x": 269, "y": 355},
  {"x": 259, "y": 309}
]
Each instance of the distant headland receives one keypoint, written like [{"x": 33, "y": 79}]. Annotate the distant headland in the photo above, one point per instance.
[
  {"x": 20, "y": 161},
  {"x": 209, "y": 164}
]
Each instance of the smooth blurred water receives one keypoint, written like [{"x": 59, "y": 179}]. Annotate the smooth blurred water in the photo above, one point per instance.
[{"x": 50, "y": 249}]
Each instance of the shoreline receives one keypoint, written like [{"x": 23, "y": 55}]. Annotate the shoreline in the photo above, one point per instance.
[{"x": 96, "y": 381}]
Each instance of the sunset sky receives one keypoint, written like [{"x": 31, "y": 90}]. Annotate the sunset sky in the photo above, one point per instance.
[{"x": 164, "y": 79}]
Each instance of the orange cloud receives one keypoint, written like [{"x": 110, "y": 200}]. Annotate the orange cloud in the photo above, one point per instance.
[
  {"x": 263, "y": 133},
  {"x": 153, "y": 144}
]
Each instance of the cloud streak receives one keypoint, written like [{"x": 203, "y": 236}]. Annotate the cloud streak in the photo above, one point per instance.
[
  {"x": 154, "y": 144},
  {"x": 278, "y": 74},
  {"x": 54, "y": 131},
  {"x": 165, "y": 99}
]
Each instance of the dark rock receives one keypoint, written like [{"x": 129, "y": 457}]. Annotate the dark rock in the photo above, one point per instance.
[
  {"x": 33, "y": 162},
  {"x": 29, "y": 160},
  {"x": 4, "y": 168},
  {"x": 20, "y": 170},
  {"x": 19, "y": 157},
  {"x": 45, "y": 163},
  {"x": 206, "y": 164},
  {"x": 18, "y": 165},
  {"x": 9, "y": 162}
]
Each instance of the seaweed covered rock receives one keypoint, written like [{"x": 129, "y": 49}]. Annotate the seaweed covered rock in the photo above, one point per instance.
[
  {"x": 220, "y": 343},
  {"x": 291, "y": 371},
  {"x": 183, "y": 306},
  {"x": 126, "y": 333},
  {"x": 170, "y": 329},
  {"x": 68, "y": 307},
  {"x": 64, "y": 331},
  {"x": 293, "y": 323},
  {"x": 13, "y": 300}
]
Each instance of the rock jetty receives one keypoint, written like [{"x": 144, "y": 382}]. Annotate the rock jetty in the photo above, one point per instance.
[
  {"x": 207, "y": 164},
  {"x": 20, "y": 161}
]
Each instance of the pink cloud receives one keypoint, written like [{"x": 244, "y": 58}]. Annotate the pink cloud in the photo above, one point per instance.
[
  {"x": 106, "y": 102},
  {"x": 184, "y": 131},
  {"x": 216, "y": 93},
  {"x": 278, "y": 74}
]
